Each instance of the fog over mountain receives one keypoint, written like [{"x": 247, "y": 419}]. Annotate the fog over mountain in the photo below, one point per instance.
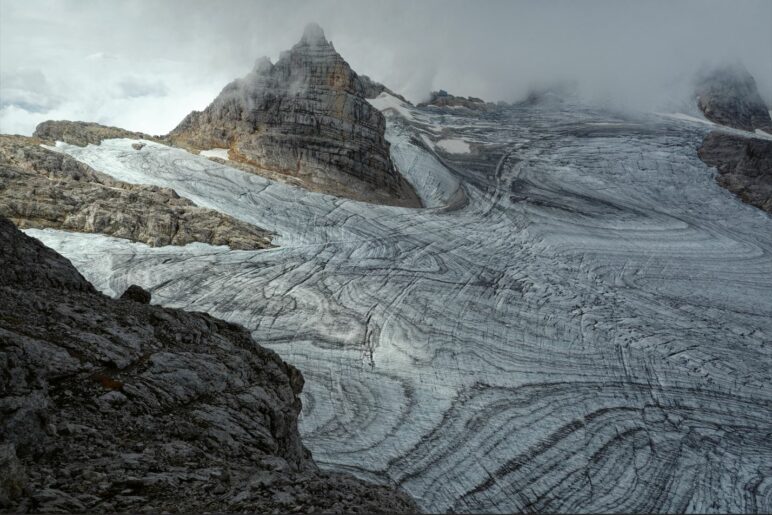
[{"x": 143, "y": 65}]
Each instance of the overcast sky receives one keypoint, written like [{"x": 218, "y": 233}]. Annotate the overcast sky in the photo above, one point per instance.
[{"x": 143, "y": 65}]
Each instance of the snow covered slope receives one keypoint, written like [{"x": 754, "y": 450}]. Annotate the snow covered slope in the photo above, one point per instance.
[{"x": 589, "y": 330}]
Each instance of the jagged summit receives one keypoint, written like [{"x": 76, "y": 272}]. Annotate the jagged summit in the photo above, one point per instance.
[
  {"x": 313, "y": 35},
  {"x": 304, "y": 119}
]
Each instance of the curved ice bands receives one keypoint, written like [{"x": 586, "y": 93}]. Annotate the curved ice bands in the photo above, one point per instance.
[{"x": 589, "y": 331}]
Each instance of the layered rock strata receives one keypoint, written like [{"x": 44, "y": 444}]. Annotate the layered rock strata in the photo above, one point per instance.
[
  {"x": 40, "y": 188},
  {"x": 117, "y": 405},
  {"x": 304, "y": 117}
]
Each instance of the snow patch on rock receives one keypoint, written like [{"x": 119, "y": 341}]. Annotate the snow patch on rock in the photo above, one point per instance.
[
  {"x": 384, "y": 102},
  {"x": 454, "y": 146},
  {"x": 221, "y": 153}
]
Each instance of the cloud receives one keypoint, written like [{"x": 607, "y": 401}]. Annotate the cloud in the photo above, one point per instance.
[
  {"x": 133, "y": 87},
  {"x": 143, "y": 64}
]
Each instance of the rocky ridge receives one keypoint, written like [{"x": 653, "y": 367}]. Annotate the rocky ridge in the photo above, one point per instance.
[
  {"x": 118, "y": 405},
  {"x": 40, "y": 188},
  {"x": 442, "y": 98},
  {"x": 304, "y": 117}
]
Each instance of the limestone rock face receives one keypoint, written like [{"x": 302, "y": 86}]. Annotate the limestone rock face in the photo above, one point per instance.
[
  {"x": 728, "y": 95},
  {"x": 40, "y": 188},
  {"x": 744, "y": 166},
  {"x": 114, "y": 405},
  {"x": 304, "y": 117}
]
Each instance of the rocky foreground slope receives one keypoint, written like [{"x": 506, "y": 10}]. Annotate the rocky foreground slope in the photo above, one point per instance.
[
  {"x": 40, "y": 188},
  {"x": 306, "y": 118},
  {"x": 118, "y": 405}
]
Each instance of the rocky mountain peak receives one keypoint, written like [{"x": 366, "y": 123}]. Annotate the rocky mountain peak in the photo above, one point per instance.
[
  {"x": 304, "y": 119},
  {"x": 314, "y": 35}
]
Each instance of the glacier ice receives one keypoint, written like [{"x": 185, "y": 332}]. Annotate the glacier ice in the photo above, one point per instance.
[{"x": 581, "y": 321}]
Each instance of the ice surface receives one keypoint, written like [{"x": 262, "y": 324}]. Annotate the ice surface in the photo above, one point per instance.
[
  {"x": 688, "y": 118},
  {"x": 723, "y": 128},
  {"x": 589, "y": 330},
  {"x": 454, "y": 146}
]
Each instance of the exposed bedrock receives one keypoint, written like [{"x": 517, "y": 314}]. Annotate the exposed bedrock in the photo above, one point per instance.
[
  {"x": 304, "y": 117},
  {"x": 744, "y": 166},
  {"x": 728, "y": 95},
  {"x": 117, "y": 405},
  {"x": 40, "y": 188}
]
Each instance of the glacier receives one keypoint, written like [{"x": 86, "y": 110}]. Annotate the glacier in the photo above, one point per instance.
[{"x": 580, "y": 320}]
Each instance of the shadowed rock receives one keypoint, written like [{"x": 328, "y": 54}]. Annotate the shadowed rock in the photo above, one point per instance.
[
  {"x": 136, "y": 294},
  {"x": 728, "y": 95}
]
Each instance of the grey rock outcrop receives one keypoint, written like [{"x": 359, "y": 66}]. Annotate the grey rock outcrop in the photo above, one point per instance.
[
  {"x": 40, "y": 188},
  {"x": 728, "y": 95},
  {"x": 744, "y": 166},
  {"x": 442, "y": 98},
  {"x": 304, "y": 117},
  {"x": 113, "y": 405}
]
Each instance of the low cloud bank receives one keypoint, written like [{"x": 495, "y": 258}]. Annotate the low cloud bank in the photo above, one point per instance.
[{"x": 143, "y": 65}]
